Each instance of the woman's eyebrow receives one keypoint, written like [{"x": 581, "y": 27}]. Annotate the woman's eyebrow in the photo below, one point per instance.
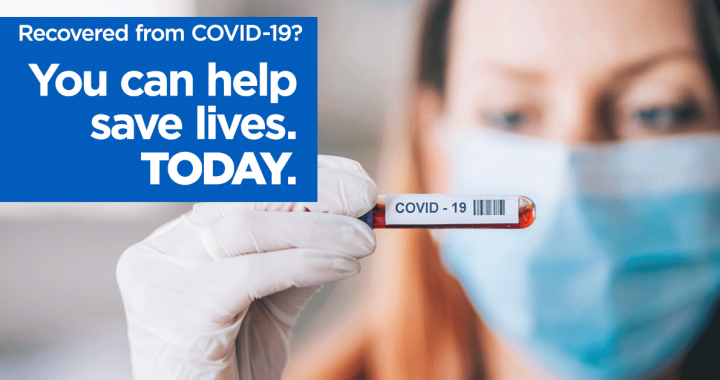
[
  {"x": 514, "y": 72},
  {"x": 643, "y": 64},
  {"x": 625, "y": 71}
]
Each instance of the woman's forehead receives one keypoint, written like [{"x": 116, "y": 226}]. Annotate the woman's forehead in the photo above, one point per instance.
[{"x": 565, "y": 34}]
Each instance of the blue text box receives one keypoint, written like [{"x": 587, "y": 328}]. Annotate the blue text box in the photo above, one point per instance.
[{"x": 47, "y": 148}]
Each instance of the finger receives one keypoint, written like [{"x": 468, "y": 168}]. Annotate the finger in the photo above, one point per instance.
[
  {"x": 259, "y": 275},
  {"x": 181, "y": 238},
  {"x": 253, "y": 232},
  {"x": 165, "y": 228},
  {"x": 335, "y": 162},
  {"x": 342, "y": 189},
  {"x": 344, "y": 192},
  {"x": 228, "y": 287},
  {"x": 211, "y": 212},
  {"x": 287, "y": 304},
  {"x": 274, "y": 315}
]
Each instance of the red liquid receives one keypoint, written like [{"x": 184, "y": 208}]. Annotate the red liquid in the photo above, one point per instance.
[{"x": 526, "y": 214}]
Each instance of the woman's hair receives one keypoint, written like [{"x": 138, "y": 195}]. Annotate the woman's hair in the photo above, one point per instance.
[
  {"x": 434, "y": 41},
  {"x": 701, "y": 362},
  {"x": 417, "y": 322},
  {"x": 433, "y": 46}
]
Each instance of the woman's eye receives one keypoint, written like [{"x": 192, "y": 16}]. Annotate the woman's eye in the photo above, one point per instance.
[
  {"x": 506, "y": 120},
  {"x": 668, "y": 118}
]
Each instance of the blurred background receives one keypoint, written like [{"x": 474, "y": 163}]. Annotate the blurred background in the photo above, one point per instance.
[{"x": 61, "y": 316}]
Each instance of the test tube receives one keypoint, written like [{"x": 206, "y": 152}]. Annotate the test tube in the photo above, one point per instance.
[{"x": 435, "y": 211}]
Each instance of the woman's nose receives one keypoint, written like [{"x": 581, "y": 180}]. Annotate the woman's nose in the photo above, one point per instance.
[{"x": 579, "y": 118}]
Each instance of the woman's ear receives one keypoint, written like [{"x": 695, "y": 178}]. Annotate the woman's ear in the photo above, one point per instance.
[{"x": 433, "y": 156}]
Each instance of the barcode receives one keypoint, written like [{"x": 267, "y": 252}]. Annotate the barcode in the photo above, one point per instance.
[{"x": 489, "y": 207}]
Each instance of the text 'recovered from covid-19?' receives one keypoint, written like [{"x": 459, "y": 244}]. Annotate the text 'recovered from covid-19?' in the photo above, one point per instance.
[{"x": 158, "y": 109}]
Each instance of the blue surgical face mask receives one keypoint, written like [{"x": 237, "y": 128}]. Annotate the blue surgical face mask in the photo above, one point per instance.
[{"x": 621, "y": 270}]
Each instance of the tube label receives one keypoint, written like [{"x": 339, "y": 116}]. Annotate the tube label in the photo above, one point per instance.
[{"x": 444, "y": 209}]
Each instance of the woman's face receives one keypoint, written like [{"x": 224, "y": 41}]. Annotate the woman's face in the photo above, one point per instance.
[{"x": 575, "y": 71}]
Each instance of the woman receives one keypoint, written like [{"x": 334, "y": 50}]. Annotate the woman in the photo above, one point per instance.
[
  {"x": 604, "y": 112},
  {"x": 565, "y": 71}
]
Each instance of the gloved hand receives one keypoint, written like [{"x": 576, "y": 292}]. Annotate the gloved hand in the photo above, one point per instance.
[{"x": 228, "y": 271}]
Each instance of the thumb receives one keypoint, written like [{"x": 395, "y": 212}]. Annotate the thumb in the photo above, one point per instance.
[{"x": 262, "y": 344}]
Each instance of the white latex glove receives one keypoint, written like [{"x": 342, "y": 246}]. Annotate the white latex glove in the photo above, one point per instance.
[{"x": 228, "y": 271}]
